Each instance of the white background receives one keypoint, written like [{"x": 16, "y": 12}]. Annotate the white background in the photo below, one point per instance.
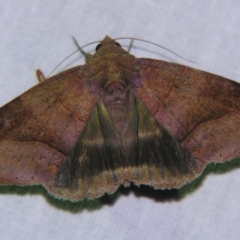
[{"x": 37, "y": 34}]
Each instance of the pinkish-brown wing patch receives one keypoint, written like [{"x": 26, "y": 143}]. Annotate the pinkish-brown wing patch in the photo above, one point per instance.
[
  {"x": 38, "y": 129},
  {"x": 200, "y": 110}
]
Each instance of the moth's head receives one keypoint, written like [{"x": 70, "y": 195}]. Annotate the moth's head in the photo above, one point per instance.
[
  {"x": 107, "y": 42},
  {"x": 105, "y": 47}
]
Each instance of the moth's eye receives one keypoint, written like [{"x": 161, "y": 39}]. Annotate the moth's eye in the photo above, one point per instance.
[{"x": 98, "y": 47}]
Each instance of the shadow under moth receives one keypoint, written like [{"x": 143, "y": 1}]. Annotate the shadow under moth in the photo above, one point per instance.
[{"x": 118, "y": 120}]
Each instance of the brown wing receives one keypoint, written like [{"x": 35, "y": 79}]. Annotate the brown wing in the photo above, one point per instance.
[
  {"x": 137, "y": 120},
  {"x": 200, "y": 110},
  {"x": 38, "y": 129}
]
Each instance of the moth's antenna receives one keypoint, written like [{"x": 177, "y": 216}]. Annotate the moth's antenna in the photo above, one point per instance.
[
  {"x": 130, "y": 46},
  {"x": 79, "y": 49},
  {"x": 158, "y": 45},
  {"x": 61, "y": 63},
  {"x": 78, "y": 46}
]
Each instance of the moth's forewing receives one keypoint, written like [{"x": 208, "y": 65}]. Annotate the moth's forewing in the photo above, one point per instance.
[
  {"x": 39, "y": 128},
  {"x": 200, "y": 110}
]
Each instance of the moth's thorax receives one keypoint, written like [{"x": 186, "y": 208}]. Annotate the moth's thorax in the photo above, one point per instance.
[
  {"x": 111, "y": 74},
  {"x": 110, "y": 64}
]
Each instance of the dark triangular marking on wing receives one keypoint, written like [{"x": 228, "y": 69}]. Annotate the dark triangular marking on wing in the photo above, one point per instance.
[{"x": 145, "y": 144}]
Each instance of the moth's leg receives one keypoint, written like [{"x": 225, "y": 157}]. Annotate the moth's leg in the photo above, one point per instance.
[{"x": 40, "y": 76}]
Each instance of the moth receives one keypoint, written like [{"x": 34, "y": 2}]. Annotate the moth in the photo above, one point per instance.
[{"x": 118, "y": 120}]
